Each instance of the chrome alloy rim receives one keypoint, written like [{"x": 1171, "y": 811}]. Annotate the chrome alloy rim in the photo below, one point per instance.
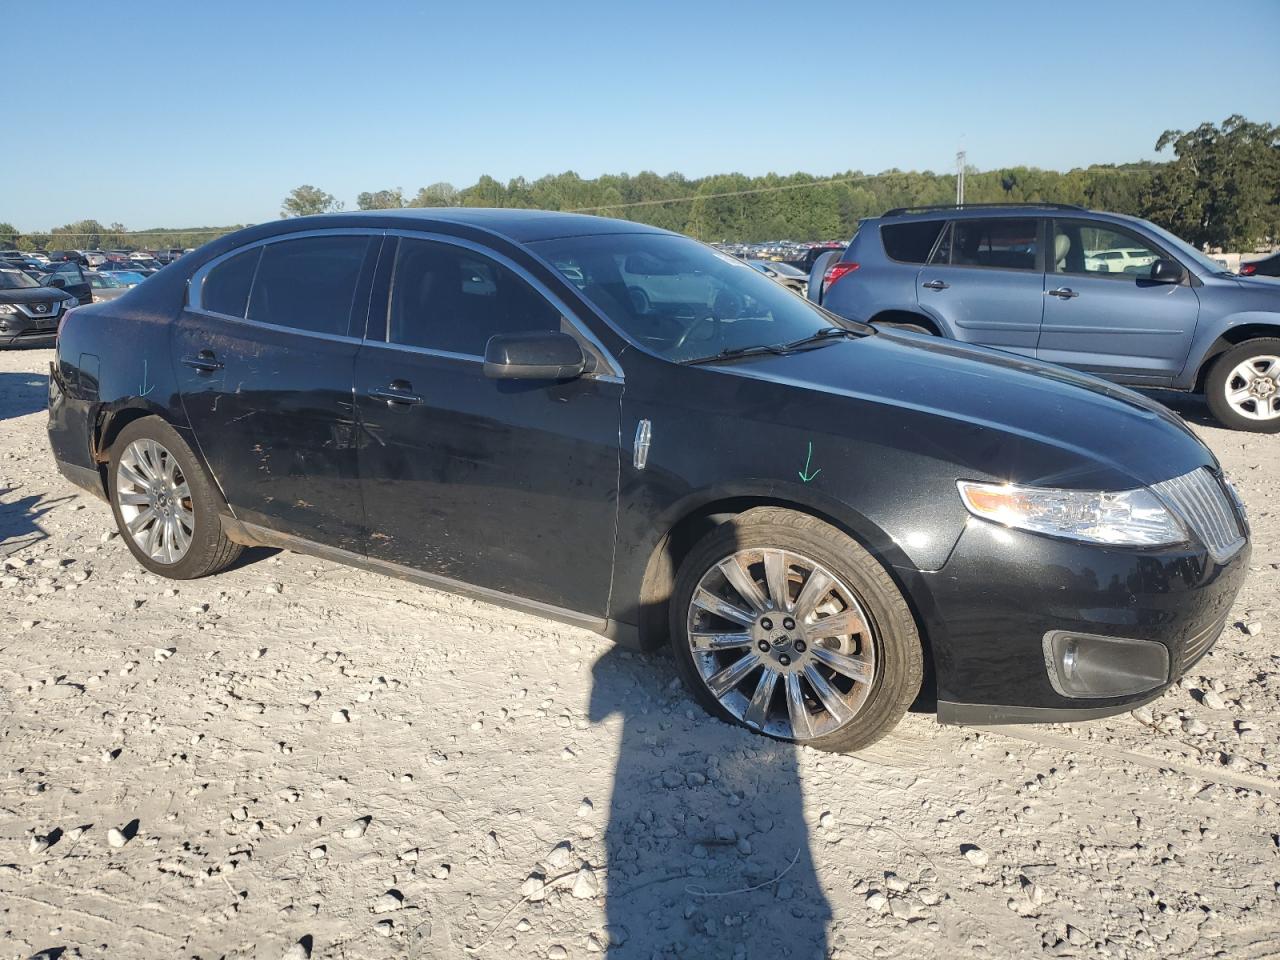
[
  {"x": 155, "y": 501},
  {"x": 782, "y": 643},
  {"x": 1253, "y": 388}
]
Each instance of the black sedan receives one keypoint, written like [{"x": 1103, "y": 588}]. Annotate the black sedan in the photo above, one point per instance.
[
  {"x": 1266, "y": 267},
  {"x": 29, "y": 313},
  {"x": 621, "y": 428}
]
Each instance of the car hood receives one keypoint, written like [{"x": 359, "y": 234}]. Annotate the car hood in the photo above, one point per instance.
[
  {"x": 1003, "y": 416},
  {"x": 33, "y": 295}
]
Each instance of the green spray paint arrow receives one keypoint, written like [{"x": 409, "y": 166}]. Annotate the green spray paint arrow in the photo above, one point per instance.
[{"x": 805, "y": 475}]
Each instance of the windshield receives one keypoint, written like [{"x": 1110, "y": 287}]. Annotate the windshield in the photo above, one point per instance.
[
  {"x": 1181, "y": 246},
  {"x": 15, "y": 280},
  {"x": 679, "y": 298}
]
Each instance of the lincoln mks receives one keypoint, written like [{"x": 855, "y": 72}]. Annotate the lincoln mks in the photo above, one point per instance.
[{"x": 620, "y": 428}]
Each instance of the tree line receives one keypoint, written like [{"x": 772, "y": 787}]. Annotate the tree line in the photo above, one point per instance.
[{"x": 1221, "y": 188}]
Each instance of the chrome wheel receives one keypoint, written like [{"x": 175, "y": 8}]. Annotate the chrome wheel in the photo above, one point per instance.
[
  {"x": 782, "y": 643},
  {"x": 1253, "y": 388},
  {"x": 155, "y": 501}
]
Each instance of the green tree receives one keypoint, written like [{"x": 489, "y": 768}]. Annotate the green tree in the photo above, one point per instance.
[
  {"x": 381, "y": 200},
  {"x": 80, "y": 235},
  {"x": 436, "y": 195},
  {"x": 8, "y": 235},
  {"x": 1222, "y": 187},
  {"x": 306, "y": 200}
]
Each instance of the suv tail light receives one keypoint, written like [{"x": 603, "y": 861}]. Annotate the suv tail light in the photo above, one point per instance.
[
  {"x": 835, "y": 272},
  {"x": 1248, "y": 269}
]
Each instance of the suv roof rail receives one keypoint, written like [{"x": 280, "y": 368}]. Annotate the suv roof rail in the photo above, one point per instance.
[{"x": 896, "y": 211}]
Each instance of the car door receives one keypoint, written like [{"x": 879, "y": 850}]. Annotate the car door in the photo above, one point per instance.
[
  {"x": 1103, "y": 314},
  {"x": 510, "y": 486},
  {"x": 265, "y": 357},
  {"x": 985, "y": 282}
]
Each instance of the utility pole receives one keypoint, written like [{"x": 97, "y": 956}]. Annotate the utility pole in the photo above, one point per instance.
[{"x": 960, "y": 178}]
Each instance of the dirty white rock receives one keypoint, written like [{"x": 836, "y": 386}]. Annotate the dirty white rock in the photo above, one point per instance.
[
  {"x": 585, "y": 885},
  {"x": 534, "y": 888},
  {"x": 318, "y": 853},
  {"x": 1213, "y": 700},
  {"x": 877, "y": 901},
  {"x": 384, "y": 928},
  {"x": 340, "y": 716},
  {"x": 1194, "y": 727},
  {"x": 441, "y": 871},
  {"x": 976, "y": 855},
  {"x": 297, "y": 951},
  {"x": 560, "y": 855},
  {"x": 116, "y": 838},
  {"x": 389, "y": 902},
  {"x": 557, "y": 952},
  {"x": 356, "y": 829}
]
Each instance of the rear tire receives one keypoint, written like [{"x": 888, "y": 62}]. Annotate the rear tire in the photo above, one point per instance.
[
  {"x": 165, "y": 505},
  {"x": 1243, "y": 386},
  {"x": 874, "y": 668}
]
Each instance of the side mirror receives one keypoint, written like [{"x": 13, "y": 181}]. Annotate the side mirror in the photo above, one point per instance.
[
  {"x": 1166, "y": 271},
  {"x": 57, "y": 283},
  {"x": 544, "y": 355}
]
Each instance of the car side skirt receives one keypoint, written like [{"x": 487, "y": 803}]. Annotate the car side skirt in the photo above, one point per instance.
[
  {"x": 251, "y": 534},
  {"x": 991, "y": 715}
]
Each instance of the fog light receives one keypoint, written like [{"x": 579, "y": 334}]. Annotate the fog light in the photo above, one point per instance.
[{"x": 1082, "y": 665}]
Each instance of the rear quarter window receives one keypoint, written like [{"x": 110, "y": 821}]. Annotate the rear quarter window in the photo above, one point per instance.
[
  {"x": 910, "y": 242},
  {"x": 226, "y": 288}
]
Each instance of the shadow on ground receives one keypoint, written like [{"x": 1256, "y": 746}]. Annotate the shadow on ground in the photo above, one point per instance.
[{"x": 22, "y": 393}]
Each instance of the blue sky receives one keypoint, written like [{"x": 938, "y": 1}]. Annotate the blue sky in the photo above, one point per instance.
[{"x": 183, "y": 114}]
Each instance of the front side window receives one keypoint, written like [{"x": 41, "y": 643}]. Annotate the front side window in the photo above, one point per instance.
[
  {"x": 226, "y": 288},
  {"x": 679, "y": 298},
  {"x": 445, "y": 297},
  {"x": 1095, "y": 249},
  {"x": 1009, "y": 244},
  {"x": 309, "y": 283}
]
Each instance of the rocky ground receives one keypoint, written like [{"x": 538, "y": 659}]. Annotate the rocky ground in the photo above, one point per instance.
[{"x": 298, "y": 759}]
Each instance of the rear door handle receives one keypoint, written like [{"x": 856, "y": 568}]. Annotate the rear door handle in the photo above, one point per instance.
[
  {"x": 1063, "y": 293},
  {"x": 935, "y": 285},
  {"x": 204, "y": 361},
  {"x": 397, "y": 393}
]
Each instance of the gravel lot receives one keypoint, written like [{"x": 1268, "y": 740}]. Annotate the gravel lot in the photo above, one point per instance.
[{"x": 297, "y": 759}]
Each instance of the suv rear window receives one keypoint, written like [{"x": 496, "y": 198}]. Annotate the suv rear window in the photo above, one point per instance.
[{"x": 910, "y": 242}]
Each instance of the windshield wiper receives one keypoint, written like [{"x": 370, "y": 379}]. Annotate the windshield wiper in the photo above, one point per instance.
[
  {"x": 733, "y": 353},
  {"x": 825, "y": 335}
]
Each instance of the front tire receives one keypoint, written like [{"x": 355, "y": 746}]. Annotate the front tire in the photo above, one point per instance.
[
  {"x": 1243, "y": 386},
  {"x": 784, "y": 625},
  {"x": 164, "y": 503}
]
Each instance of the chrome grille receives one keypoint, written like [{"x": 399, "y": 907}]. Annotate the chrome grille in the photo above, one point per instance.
[
  {"x": 1197, "y": 646},
  {"x": 1200, "y": 500}
]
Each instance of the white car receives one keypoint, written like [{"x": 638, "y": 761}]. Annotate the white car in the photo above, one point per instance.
[{"x": 1123, "y": 260}]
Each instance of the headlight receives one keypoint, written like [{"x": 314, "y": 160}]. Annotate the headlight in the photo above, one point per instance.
[
  {"x": 7, "y": 308},
  {"x": 1130, "y": 518}
]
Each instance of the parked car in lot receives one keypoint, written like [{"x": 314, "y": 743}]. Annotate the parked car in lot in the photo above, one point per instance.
[
  {"x": 782, "y": 273},
  {"x": 1265, "y": 267},
  {"x": 1029, "y": 279},
  {"x": 67, "y": 275},
  {"x": 106, "y": 286},
  {"x": 806, "y": 509},
  {"x": 129, "y": 276},
  {"x": 29, "y": 312}
]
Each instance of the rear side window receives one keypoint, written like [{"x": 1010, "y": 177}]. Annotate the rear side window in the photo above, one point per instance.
[
  {"x": 309, "y": 284},
  {"x": 910, "y": 242},
  {"x": 226, "y": 288},
  {"x": 448, "y": 298},
  {"x": 1006, "y": 243}
]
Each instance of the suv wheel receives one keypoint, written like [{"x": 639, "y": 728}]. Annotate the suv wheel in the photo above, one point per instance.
[
  {"x": 1243, "y": 387},
  {"x": 164, "y": 504},
  {"x": 782, "y": 624}
]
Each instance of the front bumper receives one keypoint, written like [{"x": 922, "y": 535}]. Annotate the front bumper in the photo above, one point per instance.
[
  {"x": 25, "y": 325},
  {"x": 990, "y": 607}
]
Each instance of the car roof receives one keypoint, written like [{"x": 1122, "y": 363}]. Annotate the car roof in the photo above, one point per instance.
[
  {"x": 998, "y": 210},
  {"x": 519, "y": 225}
]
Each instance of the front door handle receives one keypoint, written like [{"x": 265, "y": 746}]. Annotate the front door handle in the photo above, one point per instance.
[
  {"x": 1063, "y": 293},
  {"x": 204, "y": 361},
  {"x": 935, "y": 285},
  {"x": 397, "y": 393}
]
